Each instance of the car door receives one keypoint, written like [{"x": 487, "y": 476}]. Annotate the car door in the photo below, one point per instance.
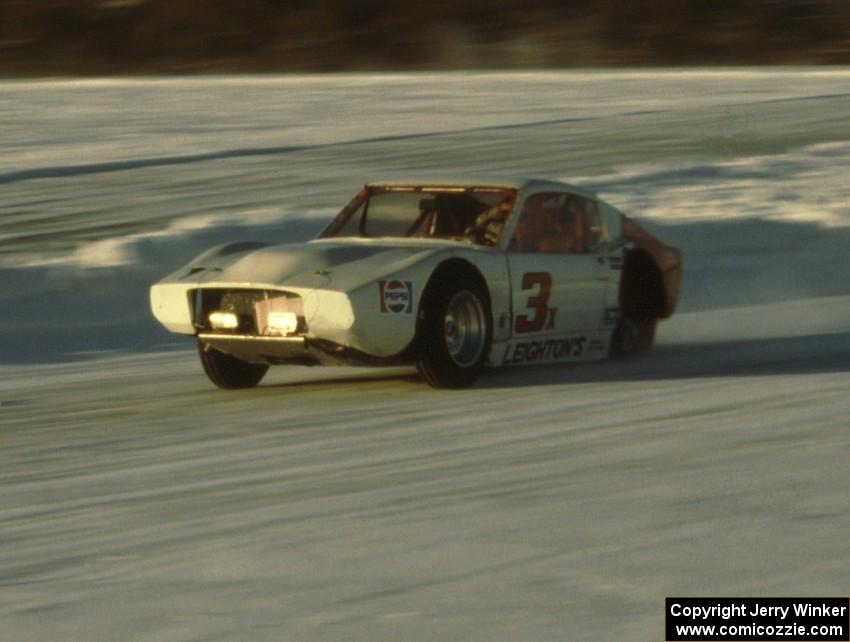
[{"x": 558, "y": 277}]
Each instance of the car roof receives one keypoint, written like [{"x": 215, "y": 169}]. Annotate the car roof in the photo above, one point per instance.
[{"x": 521, "y": 183}]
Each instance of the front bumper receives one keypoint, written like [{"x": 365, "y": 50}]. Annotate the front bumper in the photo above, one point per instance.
[{"x": 298, "y": 350}]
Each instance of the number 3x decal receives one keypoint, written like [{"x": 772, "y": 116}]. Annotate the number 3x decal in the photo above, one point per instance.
[{"x": 537, "y": 302}]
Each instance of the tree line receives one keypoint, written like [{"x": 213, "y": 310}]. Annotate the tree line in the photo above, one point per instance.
[{"x": 109, "y": 37}]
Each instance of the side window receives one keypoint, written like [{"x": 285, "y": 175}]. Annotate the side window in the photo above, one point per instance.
[
  {"x": 595, "y": 227},
  {"x": 576, "y": 224},
  {"x": 557, "y": 223}
]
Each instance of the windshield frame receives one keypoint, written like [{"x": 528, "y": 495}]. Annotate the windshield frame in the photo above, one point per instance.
[{"x": 500, "y": 195}]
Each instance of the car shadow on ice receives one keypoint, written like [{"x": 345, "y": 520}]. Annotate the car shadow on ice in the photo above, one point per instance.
[
  {"x": 292, "y": 377},
  {"x": 801, "y": 355}
]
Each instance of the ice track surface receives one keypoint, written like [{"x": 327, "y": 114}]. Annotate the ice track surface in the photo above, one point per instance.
[
  {"x": 546, "y": 504},
  {"x": 137, "y": 502}
]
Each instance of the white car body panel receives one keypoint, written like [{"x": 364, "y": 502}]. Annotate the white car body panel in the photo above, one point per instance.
[
  {"x": 341, "y": 297},
  {"x": 577, "y": 287}
]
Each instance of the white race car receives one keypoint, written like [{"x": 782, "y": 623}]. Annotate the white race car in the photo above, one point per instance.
[{"x": 449, "y": 276}]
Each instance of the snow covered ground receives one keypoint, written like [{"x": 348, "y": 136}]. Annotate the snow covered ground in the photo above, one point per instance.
[{"x": 137, "y": 502}]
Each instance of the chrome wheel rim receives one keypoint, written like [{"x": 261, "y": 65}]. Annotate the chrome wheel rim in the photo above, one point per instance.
[{"x": 465, "y": 329}]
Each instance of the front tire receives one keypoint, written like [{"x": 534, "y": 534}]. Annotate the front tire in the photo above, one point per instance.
[
  {"x": 454, "y": 333},
  {"x": 227, "y": 371}
]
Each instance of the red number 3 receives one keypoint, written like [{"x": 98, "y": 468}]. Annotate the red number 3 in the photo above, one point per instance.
[{"x": 537, "y": 302}]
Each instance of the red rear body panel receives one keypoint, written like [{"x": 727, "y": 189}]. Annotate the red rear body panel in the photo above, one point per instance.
[{"x": 668, "y": 259}]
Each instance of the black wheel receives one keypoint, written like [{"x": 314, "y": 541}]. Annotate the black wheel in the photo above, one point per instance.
[
  {"x": 229, "y": 372},
  {"x": 454, "y": 333},
  {"x": 633, "y": 337}
]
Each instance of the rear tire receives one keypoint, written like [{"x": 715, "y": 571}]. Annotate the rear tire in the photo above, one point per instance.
[
  {"x": 229, "y": 372},
  {"x": 633, "y": 337},
  {"x": 454, "y": 333}
]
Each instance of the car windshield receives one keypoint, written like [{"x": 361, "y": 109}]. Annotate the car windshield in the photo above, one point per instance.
[{"x": 473, "y": 214}]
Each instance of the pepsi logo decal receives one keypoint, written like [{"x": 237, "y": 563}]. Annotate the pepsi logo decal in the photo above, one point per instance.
[{"x": 396, "y": 296}]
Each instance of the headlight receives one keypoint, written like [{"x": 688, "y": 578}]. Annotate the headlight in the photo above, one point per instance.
[
  {"x": 223, "y": 321},
  {"x": 282, "y": 322}
]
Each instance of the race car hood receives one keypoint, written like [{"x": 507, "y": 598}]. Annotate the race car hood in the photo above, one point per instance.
[{"x": 339, "y": 264}]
